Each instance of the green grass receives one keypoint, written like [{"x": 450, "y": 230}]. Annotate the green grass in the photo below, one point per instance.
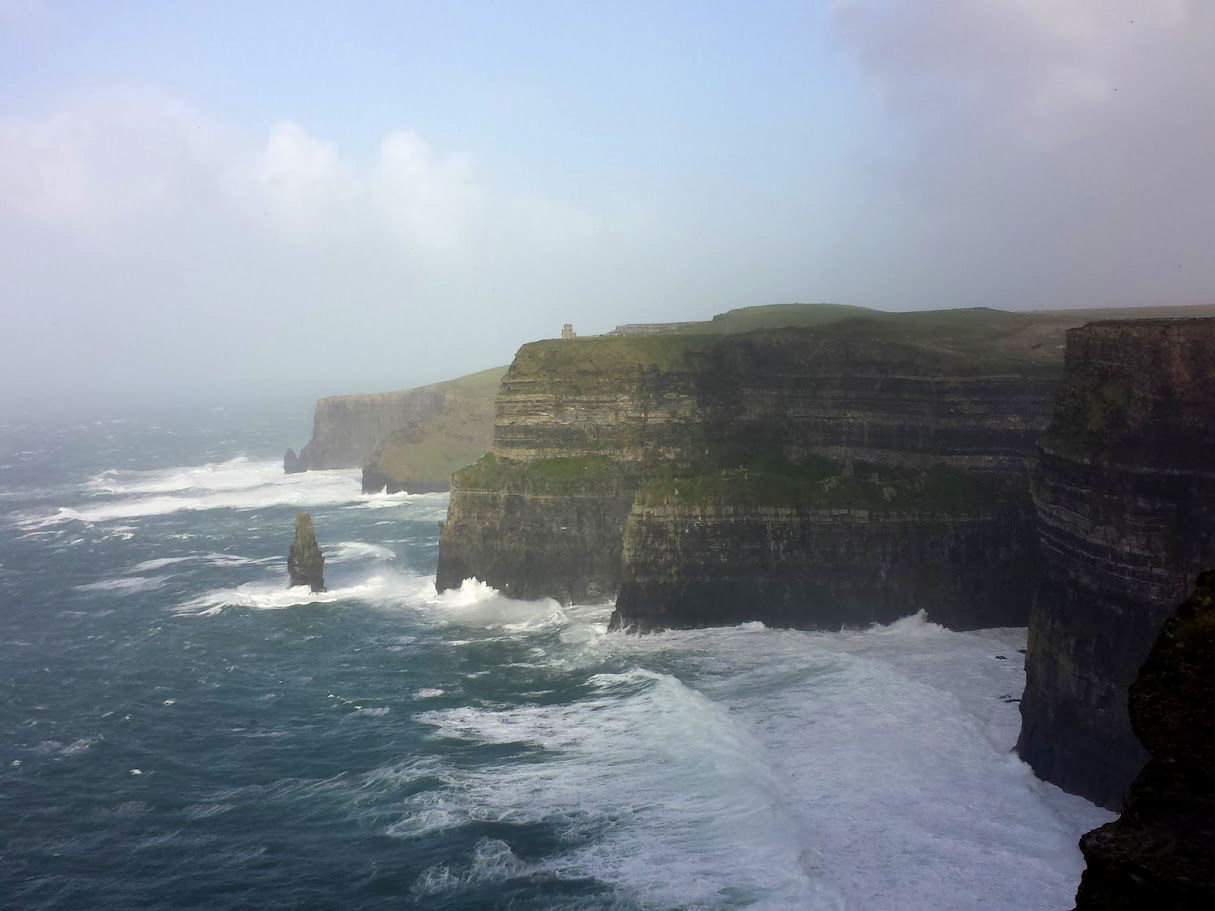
[
  {"x": 826, "y": 484},
  {"x": 561, "y": 475},
  {"x": 459, "y": 434}
]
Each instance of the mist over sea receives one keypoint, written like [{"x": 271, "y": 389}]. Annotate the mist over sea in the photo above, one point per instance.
[{"x": 180, "y": 730}]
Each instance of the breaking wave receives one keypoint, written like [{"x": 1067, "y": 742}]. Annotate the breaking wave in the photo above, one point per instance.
[{"x": 236, "y": 484}]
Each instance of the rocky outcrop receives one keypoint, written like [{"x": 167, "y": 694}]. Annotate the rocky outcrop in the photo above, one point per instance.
[
  {"x": 305, "y": 562},
  {"x": 1161, "y": 852},
  {"x": 772, "y": 475},
  {"x": 1125, "y": 499},
  {"x": 291, "y": 462}
]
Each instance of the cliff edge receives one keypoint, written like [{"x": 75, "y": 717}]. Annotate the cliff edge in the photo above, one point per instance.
[{"x": 1124, "y": 493}]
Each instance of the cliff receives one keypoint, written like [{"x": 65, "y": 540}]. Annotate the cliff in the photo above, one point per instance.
[
  {"x": 421, "y": 455},
  {"x": 837, "y": 472},
  {"x": 1124, "y": 494},
  {"x": 347, "y": 429},
  {"x": 1161, "y": 852},
  {"x": 411, "y": 439}
]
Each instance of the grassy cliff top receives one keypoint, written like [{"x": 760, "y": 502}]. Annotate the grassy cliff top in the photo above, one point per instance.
[
  {"x": 964, "y": 341},
  {"x": 484, "y": 381}
]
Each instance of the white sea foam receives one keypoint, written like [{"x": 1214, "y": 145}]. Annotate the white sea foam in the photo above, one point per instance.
[
  {"x": 148, "y": 566},
  {"x": 480, "y": 605},
  {"x": 128, "y": 584},
  {"x": 235, "y": 484},
  {"x": 677, "y": 802},
  {"x": 385, "y": 588},
  {"x": 860, "y": 769},
  {"x": 425, "y": 504},
  {"x": 347, "y": 551}
]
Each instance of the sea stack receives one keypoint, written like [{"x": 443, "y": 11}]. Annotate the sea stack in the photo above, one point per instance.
[
  {"x": 291, "y": 462},
  {"x": 305, "y": 562},
  {"x": 1161, "y": 852}
]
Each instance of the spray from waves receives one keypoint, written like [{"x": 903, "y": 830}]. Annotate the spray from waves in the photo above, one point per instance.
[
  {"x": 236, "y": 484},
  {"x": 234, "y": 474},
  {"x": 380, "y": 587},
  {"x": 349, "y": 551},
  {"x": 479, "y": 605},
  {"x": 669, "y": 797}
]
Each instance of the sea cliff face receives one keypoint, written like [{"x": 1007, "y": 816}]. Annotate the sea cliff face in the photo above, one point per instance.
[
  {"x": 347, "y": 429},
  {"x": 807, "y": 477},
  {"x": 411, "y": 440},
  {"x": 1125, "y": 499}
]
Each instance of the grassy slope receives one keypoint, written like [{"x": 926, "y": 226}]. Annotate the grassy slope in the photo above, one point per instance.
[{"x": 456, "y": 436}]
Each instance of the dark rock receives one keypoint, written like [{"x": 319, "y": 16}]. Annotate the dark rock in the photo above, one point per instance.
[
  {"x": 291, "y": 462},
  {"x": 305, "y": 562},
  {"x": 1160, "y": 853},
  {"x": 1125, "y": 498}
]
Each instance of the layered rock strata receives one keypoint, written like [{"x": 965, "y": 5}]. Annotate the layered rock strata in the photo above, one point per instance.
[
  {"x": 809, "y": 477},
  {"x": 305, "y": 562},
  {"x": 1161, "y": 852},
  {"x": 955, "y": 545},
  {"x": 1125, "y": 499}
]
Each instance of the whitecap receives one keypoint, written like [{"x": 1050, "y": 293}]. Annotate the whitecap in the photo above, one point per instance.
[
  {"x": 386, "y": 587},
  {"x": 127, "y": 584},
  {"x": 236, "y": 484},
  {"x": 345, "y": 551}
]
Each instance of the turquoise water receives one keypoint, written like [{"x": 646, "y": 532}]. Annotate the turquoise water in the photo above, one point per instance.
[{"x": 178, "y": 729}]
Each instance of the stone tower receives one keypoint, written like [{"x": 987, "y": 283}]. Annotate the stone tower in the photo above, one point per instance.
[{"x": 567, "y": 331}]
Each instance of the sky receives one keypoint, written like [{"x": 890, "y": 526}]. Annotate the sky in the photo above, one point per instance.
[{"x": 221, "y": 201}]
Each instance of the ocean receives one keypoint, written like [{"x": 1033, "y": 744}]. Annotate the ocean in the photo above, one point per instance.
[{"x": 178, "y": 729}]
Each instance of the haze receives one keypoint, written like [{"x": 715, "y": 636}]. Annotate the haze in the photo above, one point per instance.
[{"x": 217, "y": 202}]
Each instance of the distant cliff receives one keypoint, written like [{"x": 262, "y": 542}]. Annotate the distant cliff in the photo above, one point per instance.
[
  {"x": 347, "y": 429},
  {"x": 1125, "y": 500},
  {"x": 413, "y": 438},
  {"x": 852, "y": 471}
]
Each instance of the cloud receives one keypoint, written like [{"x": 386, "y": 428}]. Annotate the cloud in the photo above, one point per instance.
[
  {"x": 142, "y": 241},
  {"x": 113, "y": 160},
  {"x": 1042, "y": 153},
  {"x": 109, "y": 159}
]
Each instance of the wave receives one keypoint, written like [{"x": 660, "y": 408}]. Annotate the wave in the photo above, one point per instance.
[
  {"x": 235, "y": 484},
  {"x": 480, "y": 605},
  {"x": 348, "y": 551},
  {"x": 384, "y": 588},
  {"x": 672, "y": 797},
  {"x": 127, "y": 584}
]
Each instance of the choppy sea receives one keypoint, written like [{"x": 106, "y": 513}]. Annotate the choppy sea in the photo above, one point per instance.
[{"x": 180, "y": 730}]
